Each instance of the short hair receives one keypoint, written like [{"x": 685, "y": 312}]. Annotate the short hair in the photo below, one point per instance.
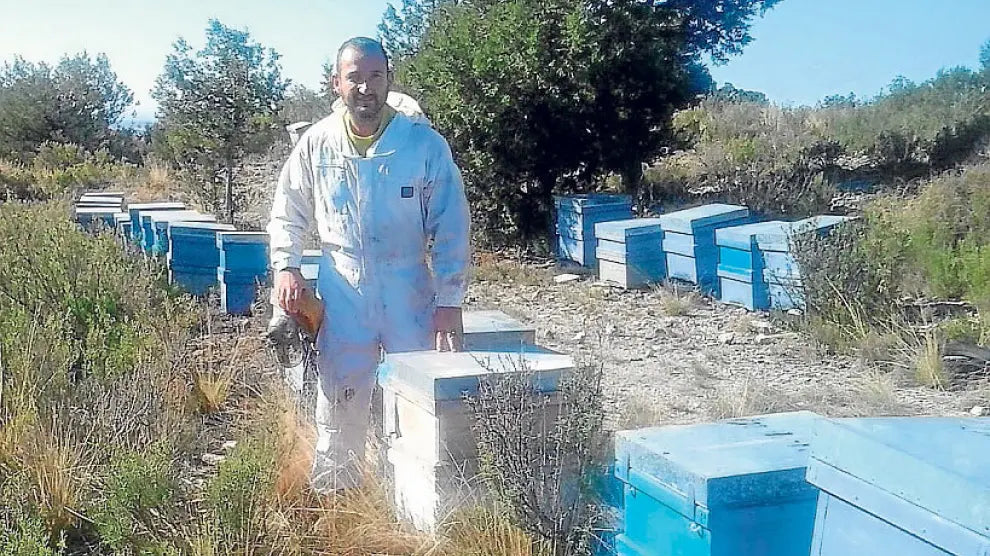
[{"x": 362, "y": 44}]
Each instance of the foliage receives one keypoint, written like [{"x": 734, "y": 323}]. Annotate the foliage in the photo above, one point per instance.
[
  {"x": 23, "y": 535},
  {"x": 80, "y": 100},
  {"x": 236, "y": 495},
  {"x": 537, "y": 97},
  {"x": 137, "y": 489},
  {"x": 304, "y": 105},
  {"x": 216, "y": 105},
  {"x": 541, "y": 453}
]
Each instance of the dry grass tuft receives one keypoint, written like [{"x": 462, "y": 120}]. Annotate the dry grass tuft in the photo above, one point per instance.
[
  {"x": 929, "y": 368},
  {"x": 752, "y": 397},
  {"x": 639, "y": 412},
  {"x": 876, "y": 394},
  {"x": 488, "y": 532},
  {"x": 56, "y": 469},
  {"x": 674, "y": 303}
]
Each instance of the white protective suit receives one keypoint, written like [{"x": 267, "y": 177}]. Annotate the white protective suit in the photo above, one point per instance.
[{"x": 376, "y": 216}]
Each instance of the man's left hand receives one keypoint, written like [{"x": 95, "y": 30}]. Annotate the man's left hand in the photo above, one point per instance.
[{"x": 448, "y": 327}]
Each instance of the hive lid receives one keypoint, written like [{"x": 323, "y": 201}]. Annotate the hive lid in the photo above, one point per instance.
[
  {"x": 938, "y": 464},
  {"x": 706, "y": 216},
  {"x": 587, "y": 201},
  {"x": 482, "y": 322},
  {"x": 161, "y": 205},
  {"x": 165, "y": 216},
  {"x": 623, "y": 230},
  {"x": 739, "y": 462},
  {"x": 780, "y": 240},
  {"x": 107, "y": 211},
  {"x": 430, "y": 377},
  {"x": 241, "y": 237},
  {"x": 209, "y": 226},
  {"x": 744, "y": 237}
]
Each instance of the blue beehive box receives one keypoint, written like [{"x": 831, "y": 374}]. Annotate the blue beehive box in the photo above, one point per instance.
[
  {"x": 155, "y": 224},
  {"x": 93, "y": 215},
  {"x": 740, "y": 264},
  {"x": 780, "y": 268},
  {"x": 243, "y": 266},
  {"x": 193, "y": 255},
  {"x": 575, "y": 223},
  {"x": 734, "y": 488},
  {"x": 135, "y": 209},
  {"x": 689, "y": 242},
  {"x": 629, "y": 252},
  {"x": 910, "y": 486}
]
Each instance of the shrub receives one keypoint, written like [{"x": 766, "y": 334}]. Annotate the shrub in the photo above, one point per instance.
[
  {"x": 238, "y": 494},
  {"x": 542, "y": 454},
  {"x": 23, "y": 535},
  {"x": 139, "y": 485}
]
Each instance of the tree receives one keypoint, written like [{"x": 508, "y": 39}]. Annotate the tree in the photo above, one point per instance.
[
  {"x": 215, "y": 106},
  {"x": 78, "y": 101},
  {"x": 985, "y": 56},
  {"x": 302, "y": 104},
  {"x": 544, "y": 96}
]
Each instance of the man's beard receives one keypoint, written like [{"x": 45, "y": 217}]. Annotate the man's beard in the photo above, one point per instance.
[{"x": 367, "y": 109}]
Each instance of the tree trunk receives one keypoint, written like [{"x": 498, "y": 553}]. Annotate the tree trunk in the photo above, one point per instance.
[
  {"x": 228, "y": 179},
  {"x": 632, "y": 178}
]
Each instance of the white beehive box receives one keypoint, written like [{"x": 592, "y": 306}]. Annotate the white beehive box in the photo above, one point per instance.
[
  {"x": 485, "y": 330},
  {"x": 429, "y": 423}
]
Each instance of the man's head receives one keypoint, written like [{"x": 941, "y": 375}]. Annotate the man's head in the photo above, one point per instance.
[{"x": 362, "y": 78}]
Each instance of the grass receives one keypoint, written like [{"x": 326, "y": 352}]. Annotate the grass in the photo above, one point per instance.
[
  {"x": 673, "y": 303},
  {"x": 929, "y": 367}
]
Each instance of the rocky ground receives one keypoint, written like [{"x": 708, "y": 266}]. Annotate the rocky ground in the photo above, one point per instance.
[{"x": 673, "y": 357}]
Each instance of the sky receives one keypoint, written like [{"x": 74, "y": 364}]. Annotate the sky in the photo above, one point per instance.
[{"x": 803, "y": 50}]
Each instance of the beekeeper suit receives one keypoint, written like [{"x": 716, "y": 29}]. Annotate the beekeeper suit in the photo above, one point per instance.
[{"x": 380, "y": 279}]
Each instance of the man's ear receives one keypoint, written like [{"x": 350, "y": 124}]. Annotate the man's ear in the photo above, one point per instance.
[{"x": 335, "y": 83}]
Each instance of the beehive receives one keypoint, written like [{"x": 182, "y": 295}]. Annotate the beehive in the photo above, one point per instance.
[
  {"x": 740, "y": 264},
  {"x": 689, "y": 242},
  {"x": 735, "y": 488},
  {"x": 629, "y": 252},
  {"x": 781, "y": 271},
  {"x": 154, "y": 226},
  {"x": 576, "y": 219},
  {"x": 243, "y": 266},
  {"x": 193, "y": 255},
  {"x": 92, "y": 216},
  {"x": 495, "y": 330},
  {"x": 310, "y": 267},
  {"x": 917, "y": 486},
  {"x": 135, "y": 210},
  {"x": 432, "y": 449}
]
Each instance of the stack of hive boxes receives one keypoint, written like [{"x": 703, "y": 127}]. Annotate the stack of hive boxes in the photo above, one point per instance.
[
  {"x": 155, "y": 227},
  {"x": 907, "y": 486},
  {"x": 98, "y": 208},
  {"x": 495, "y": 330},
  {"x": 780, "y": 268},
  {"x": 433, "y": 452},
  {"x": 740, "y": 264},
  {"x": 629, "y": 252},
  {"x": 243, "y": 266},
  {"x": 193, "y": 255},
  {"x": 735, "y": 488},
  {"x": 576, "y": 219},
  {"x": 689, "y": 242},
  {"x": 137, "y": 209}
]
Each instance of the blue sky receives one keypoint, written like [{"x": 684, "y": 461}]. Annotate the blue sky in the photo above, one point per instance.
[{"x": 803, "y": 50}]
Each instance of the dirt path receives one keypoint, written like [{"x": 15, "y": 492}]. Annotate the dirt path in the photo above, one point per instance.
[{"x": 712, "y": 361}]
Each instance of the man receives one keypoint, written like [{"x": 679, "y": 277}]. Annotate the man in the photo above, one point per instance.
[{"x": 389, "y": 206}]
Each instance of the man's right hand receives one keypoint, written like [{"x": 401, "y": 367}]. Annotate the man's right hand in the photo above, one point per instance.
[{"x": 289, "y": 286}]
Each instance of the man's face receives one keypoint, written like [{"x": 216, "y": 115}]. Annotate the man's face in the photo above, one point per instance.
[{"x": 362, "y": 80}]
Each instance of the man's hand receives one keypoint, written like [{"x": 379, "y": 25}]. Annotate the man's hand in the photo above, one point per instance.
[
  {"x": 289, "y": 286},
  {"x": 448, "y": 326}
]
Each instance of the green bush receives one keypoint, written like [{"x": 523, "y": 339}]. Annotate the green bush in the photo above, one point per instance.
[
  {"x": 23, "y": 535},
  {"x": 238, "y": 494},
  {"x": 139, "y": 485}
]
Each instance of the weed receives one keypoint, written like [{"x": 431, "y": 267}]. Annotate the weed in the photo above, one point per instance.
[
  {"x": 876, "y": 394},
  {"x": 22, "y": 534},
  {"x": 877, "y": 348},
  {"x": 237, "y": 494},
  {"x": 752, "y": 397},
  {"x": 674, "y": 303},
  {"x": 639, "y": 412},
  {"x": 138, "y": 487},
  {"x": 929, "y": 368}
]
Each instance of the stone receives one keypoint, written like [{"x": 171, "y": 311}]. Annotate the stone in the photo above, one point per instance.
[
  {"x": 229, "y": 445},
  {"x": 726, "y": 338},
  {"x": 978, "y": 411},
  {"x": 565, "y": 278},
  {"x": 212, "y": 459}
]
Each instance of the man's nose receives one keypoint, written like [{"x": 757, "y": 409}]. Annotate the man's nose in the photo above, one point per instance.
[{"x": 363, "y": 88}]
